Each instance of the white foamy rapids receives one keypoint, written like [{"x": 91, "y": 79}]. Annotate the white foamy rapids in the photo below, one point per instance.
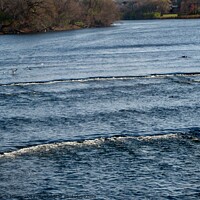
[
  {"x": 158, "y": 137},
  {"x": 49, "y": 147},
  {"x": 94, "y": 142},
  {"x": 196, "y": 81}
]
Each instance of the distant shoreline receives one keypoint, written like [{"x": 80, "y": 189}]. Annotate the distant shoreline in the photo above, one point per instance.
[
  {"x": 56, "y": 29},
  {"x": 74, "y": 27},
  {"x": 167, "y": 16},
  {"x": 181, "y": 17}
]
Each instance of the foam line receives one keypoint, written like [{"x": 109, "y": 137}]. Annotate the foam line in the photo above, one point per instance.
[
  {"x": 92, "y": 142},
  {"x": 101, "y": 78}
]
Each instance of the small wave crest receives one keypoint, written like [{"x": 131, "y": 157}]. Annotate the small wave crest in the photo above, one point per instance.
[
  {"x": 187, "y": 134},
  {"x": 102, "y": 78},
  {"x": 84, "y": 143}
]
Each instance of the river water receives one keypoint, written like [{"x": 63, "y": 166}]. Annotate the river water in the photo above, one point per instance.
[{"x": 106, "y": 113}]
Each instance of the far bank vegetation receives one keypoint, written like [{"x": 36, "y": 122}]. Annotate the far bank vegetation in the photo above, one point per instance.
[
  {"x": 28, "y": 16},
  {"x": 24, "y": 16},
  {"x": 159, "y": 9},
  {"x": 144, "y": 9}
]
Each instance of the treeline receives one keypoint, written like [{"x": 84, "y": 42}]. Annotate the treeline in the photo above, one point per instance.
[
  {"x": 148, "y": 9},
  {"x": 189, "y": 7},
  {"x": 144, "y": 9},
  {"x": 23, "y": 16}
]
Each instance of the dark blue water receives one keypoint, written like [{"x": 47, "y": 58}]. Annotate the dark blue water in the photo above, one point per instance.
[{"x": 107, "y": 113}]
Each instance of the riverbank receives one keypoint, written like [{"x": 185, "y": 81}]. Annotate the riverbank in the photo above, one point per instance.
[
  {"x": 156, "y": 16},
  {"x": 176, "y": 16},
  {"x": 9, "y": 30},
  {"x": 77, "y": 27},
  {"x": 27, "y": 30}
]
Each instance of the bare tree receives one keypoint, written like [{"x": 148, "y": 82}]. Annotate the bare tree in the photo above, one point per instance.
[
  {"x": 190, "y": 7},
  {"x": 35, "y": 15},
  {"x": 67, "y": 12},
  {"x": 100, "y": 12},
  {"x": 2, "y": 5},
  {"x": 140, "y": 8},
  {"x": 163, "y": 6}
]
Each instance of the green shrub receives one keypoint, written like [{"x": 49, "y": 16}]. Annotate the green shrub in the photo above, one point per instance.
[
  {"x": 153, "y": 15},
  {"x": 80, "y": 24},
  {"x": 4, "y": 17}
]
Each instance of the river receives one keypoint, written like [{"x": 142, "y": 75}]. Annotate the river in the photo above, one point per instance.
[{"x": 102, "y": 113}]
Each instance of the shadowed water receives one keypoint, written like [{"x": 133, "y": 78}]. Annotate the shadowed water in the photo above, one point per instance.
[{"x": 109, "y": 113}]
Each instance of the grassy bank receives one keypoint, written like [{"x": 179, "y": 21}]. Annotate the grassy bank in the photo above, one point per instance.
[
  {"x": 176, "y": 16},
  {"x": 169, "y": 16},
  {"x": 157, "y": 15}
]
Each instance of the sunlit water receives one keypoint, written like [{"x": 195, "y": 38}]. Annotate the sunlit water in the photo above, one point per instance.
[{"x": 107, "y": 113}]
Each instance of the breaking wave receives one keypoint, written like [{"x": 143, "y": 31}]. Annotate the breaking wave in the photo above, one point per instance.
[
  {"x": 42, "y": 148},
  {"x": 106, "y": 78}
]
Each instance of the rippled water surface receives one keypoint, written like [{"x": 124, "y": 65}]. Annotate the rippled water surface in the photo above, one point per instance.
[{"x": 107, "y": 113}]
